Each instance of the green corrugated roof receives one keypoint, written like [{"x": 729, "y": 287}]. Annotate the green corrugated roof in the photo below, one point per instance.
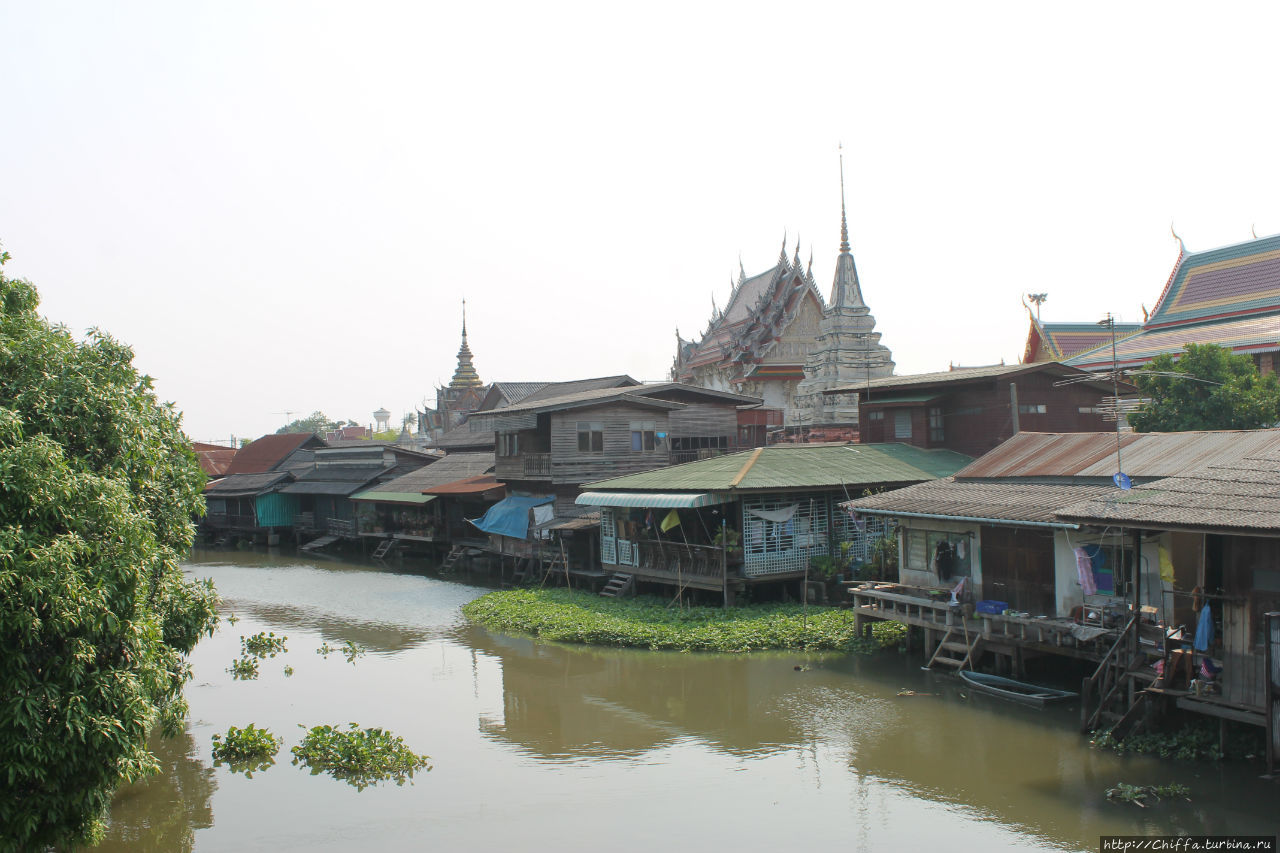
[
  {"x": 798, "y": 467},
  {"x": 375, "y": 496}
]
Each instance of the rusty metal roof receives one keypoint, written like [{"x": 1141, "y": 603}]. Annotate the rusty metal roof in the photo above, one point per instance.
[
  {"x": 267, "y": 452},
  {"x": 1143, "y": 455}
]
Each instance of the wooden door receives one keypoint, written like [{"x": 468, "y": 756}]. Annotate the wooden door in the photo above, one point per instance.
[{"x": 1017, "y": 567}]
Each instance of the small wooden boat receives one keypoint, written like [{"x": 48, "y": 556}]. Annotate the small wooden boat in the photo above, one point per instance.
[{"x": 1016, "y": 691}]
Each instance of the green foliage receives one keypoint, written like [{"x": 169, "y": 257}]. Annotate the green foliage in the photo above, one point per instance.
[
  {"x": 98, "y": 487},
  {"x": 244, "y": 669},
  {"x": 1212, "y": 389},
  {"x": 247, "y": 750},
  {"x": 359, "y": 757},
  {"x": 262, "y": 645},
  {"x": 1123, "y": 792},
  {"x": 317, "y": 422},
  {"x": 645, "y": 622}
]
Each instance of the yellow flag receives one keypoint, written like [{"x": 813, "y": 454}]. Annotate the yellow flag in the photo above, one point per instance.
[{"x": 672, "y": 520}]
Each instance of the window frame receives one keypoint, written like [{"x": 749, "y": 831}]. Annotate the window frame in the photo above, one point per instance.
[{"x": 593, "y": 431}]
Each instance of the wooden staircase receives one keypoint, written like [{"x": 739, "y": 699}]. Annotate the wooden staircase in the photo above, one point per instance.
[
  {"x": 451, "y": 559},
  {"x": 956, "y": 650},
  {"x": 1103, "y": 693},
  {"x": 523, "y": 571},
  {"x": 320, "y": 542},
  {"x": 385, "y": 547},
  {"x": 620, "y": 585}
]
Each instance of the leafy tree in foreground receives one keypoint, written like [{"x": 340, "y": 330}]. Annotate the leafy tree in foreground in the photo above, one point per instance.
[
  {"x": 1212, "y": 389},
  {"x": 98, "y": 486}
]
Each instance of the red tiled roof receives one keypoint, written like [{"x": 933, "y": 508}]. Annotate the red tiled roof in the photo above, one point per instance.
[{"x": 267, "y": 452}]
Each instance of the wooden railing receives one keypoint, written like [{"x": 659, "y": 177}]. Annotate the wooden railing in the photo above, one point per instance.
[
  {"x": 230, "y": 520},
  {"x": 340, "y": 527},
  {"x": 693, "y": 560},
  {"x": 536, "y": 464}
]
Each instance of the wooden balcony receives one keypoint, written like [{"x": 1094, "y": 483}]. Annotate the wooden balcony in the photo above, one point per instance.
[
  {"x": 916, "y": 607},
  {"x": 536, "y": 464}
]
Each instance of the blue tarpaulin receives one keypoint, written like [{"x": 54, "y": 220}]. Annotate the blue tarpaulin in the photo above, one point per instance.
[{"x": 510, "y": 516}]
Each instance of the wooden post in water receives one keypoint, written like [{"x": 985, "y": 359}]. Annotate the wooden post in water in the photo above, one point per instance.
[
  {"x": 1272, "y": 705},
  {"x": 724, "y": 562}
]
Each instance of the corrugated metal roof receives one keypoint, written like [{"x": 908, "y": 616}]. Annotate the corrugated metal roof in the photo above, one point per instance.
[
  {"x": 962, "y": 374},
  {"x": 335, "y": 480},
  {"x": 647, "y": 394},
  {"x": 373, "y": 496},
  {"x": 468, "y": 486},
  {"x": 267, "y": 452},
  {"x": 797, "y": 467},
  {"x": 1093, "y": 454},
  {"x": 655, "y": 500},
  {"x": 235, "y": 485},
  {"x": 573, "y": 386},
  {"x": 1006, "y": 500},
  {"x": 455, "y": 466},
  {"x": 1243, "y": 495}
]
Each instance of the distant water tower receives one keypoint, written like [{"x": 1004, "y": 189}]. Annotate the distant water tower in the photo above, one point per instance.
[{"x": 382, "y": 416}]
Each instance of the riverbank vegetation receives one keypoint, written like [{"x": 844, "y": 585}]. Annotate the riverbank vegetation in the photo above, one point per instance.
[
  {"x": 1197, "y": 741},
  {"x": 645, "y": 622},
  {"x": 96, "y": 616}
]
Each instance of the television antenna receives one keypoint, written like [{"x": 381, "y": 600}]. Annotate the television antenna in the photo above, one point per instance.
[{"x": 287, "y": 412}]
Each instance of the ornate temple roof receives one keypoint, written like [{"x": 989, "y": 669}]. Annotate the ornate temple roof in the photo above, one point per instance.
[
  {"x": 1058, "y": 341},
  {"x": 759, "y": 311},
  {"x": 1229, "y": 296}
]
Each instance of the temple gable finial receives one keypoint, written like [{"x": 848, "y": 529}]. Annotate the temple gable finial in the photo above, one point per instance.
[
  {"x": 742, "y": 272},
  {"x": 1182, "y": 247},
  {"x": 844, "y": 222},
  {"x": 782, "y": 256}
]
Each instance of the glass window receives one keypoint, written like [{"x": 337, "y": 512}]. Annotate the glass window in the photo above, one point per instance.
[
  {"x": 642, "y": 436},
  {"x": 1033, "y": 408},
  {"x": 590, "y": 437},
  {"x": 935, "y": 424}
]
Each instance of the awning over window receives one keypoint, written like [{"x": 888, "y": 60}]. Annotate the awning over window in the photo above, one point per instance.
[
  {"x": 662, "y": 500},
  {"x": 510, "y": 516}
]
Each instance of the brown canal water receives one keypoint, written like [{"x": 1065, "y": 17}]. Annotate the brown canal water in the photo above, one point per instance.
[{"x": 538, "y": 746}]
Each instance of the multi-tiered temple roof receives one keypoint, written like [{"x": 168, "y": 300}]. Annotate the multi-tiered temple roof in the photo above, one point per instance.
[{"x": 1228, "y": 296}]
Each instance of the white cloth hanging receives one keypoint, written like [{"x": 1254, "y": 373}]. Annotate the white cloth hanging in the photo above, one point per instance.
[{"x": 777, "y": 516}]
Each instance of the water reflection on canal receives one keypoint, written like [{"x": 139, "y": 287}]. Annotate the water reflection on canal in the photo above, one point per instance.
[{"x": 539, "y": 746}]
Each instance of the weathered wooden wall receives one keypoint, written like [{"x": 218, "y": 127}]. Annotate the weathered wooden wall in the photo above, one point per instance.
[
  {"x": 704, "y": 419},
  {"x": 569, "y": 465}
]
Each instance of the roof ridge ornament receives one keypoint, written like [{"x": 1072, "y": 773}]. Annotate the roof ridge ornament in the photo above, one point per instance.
[
  {"x": 1182, "y": 247},
  {"x": 844, "y": 222}
]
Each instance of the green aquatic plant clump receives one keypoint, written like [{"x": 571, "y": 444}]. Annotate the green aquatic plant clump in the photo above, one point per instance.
[
  {"x": 248, "y": 744},
  {"x": 1138, "y": 795},
  {"x": 244, "y": 669},
  {"x": 359, "y": 757},
  {"x": 262, "y": 645},
  {"x": 645, "y": 622}
]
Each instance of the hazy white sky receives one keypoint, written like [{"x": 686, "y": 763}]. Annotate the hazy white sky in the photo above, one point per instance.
[{"x": 280, "y": 206}]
